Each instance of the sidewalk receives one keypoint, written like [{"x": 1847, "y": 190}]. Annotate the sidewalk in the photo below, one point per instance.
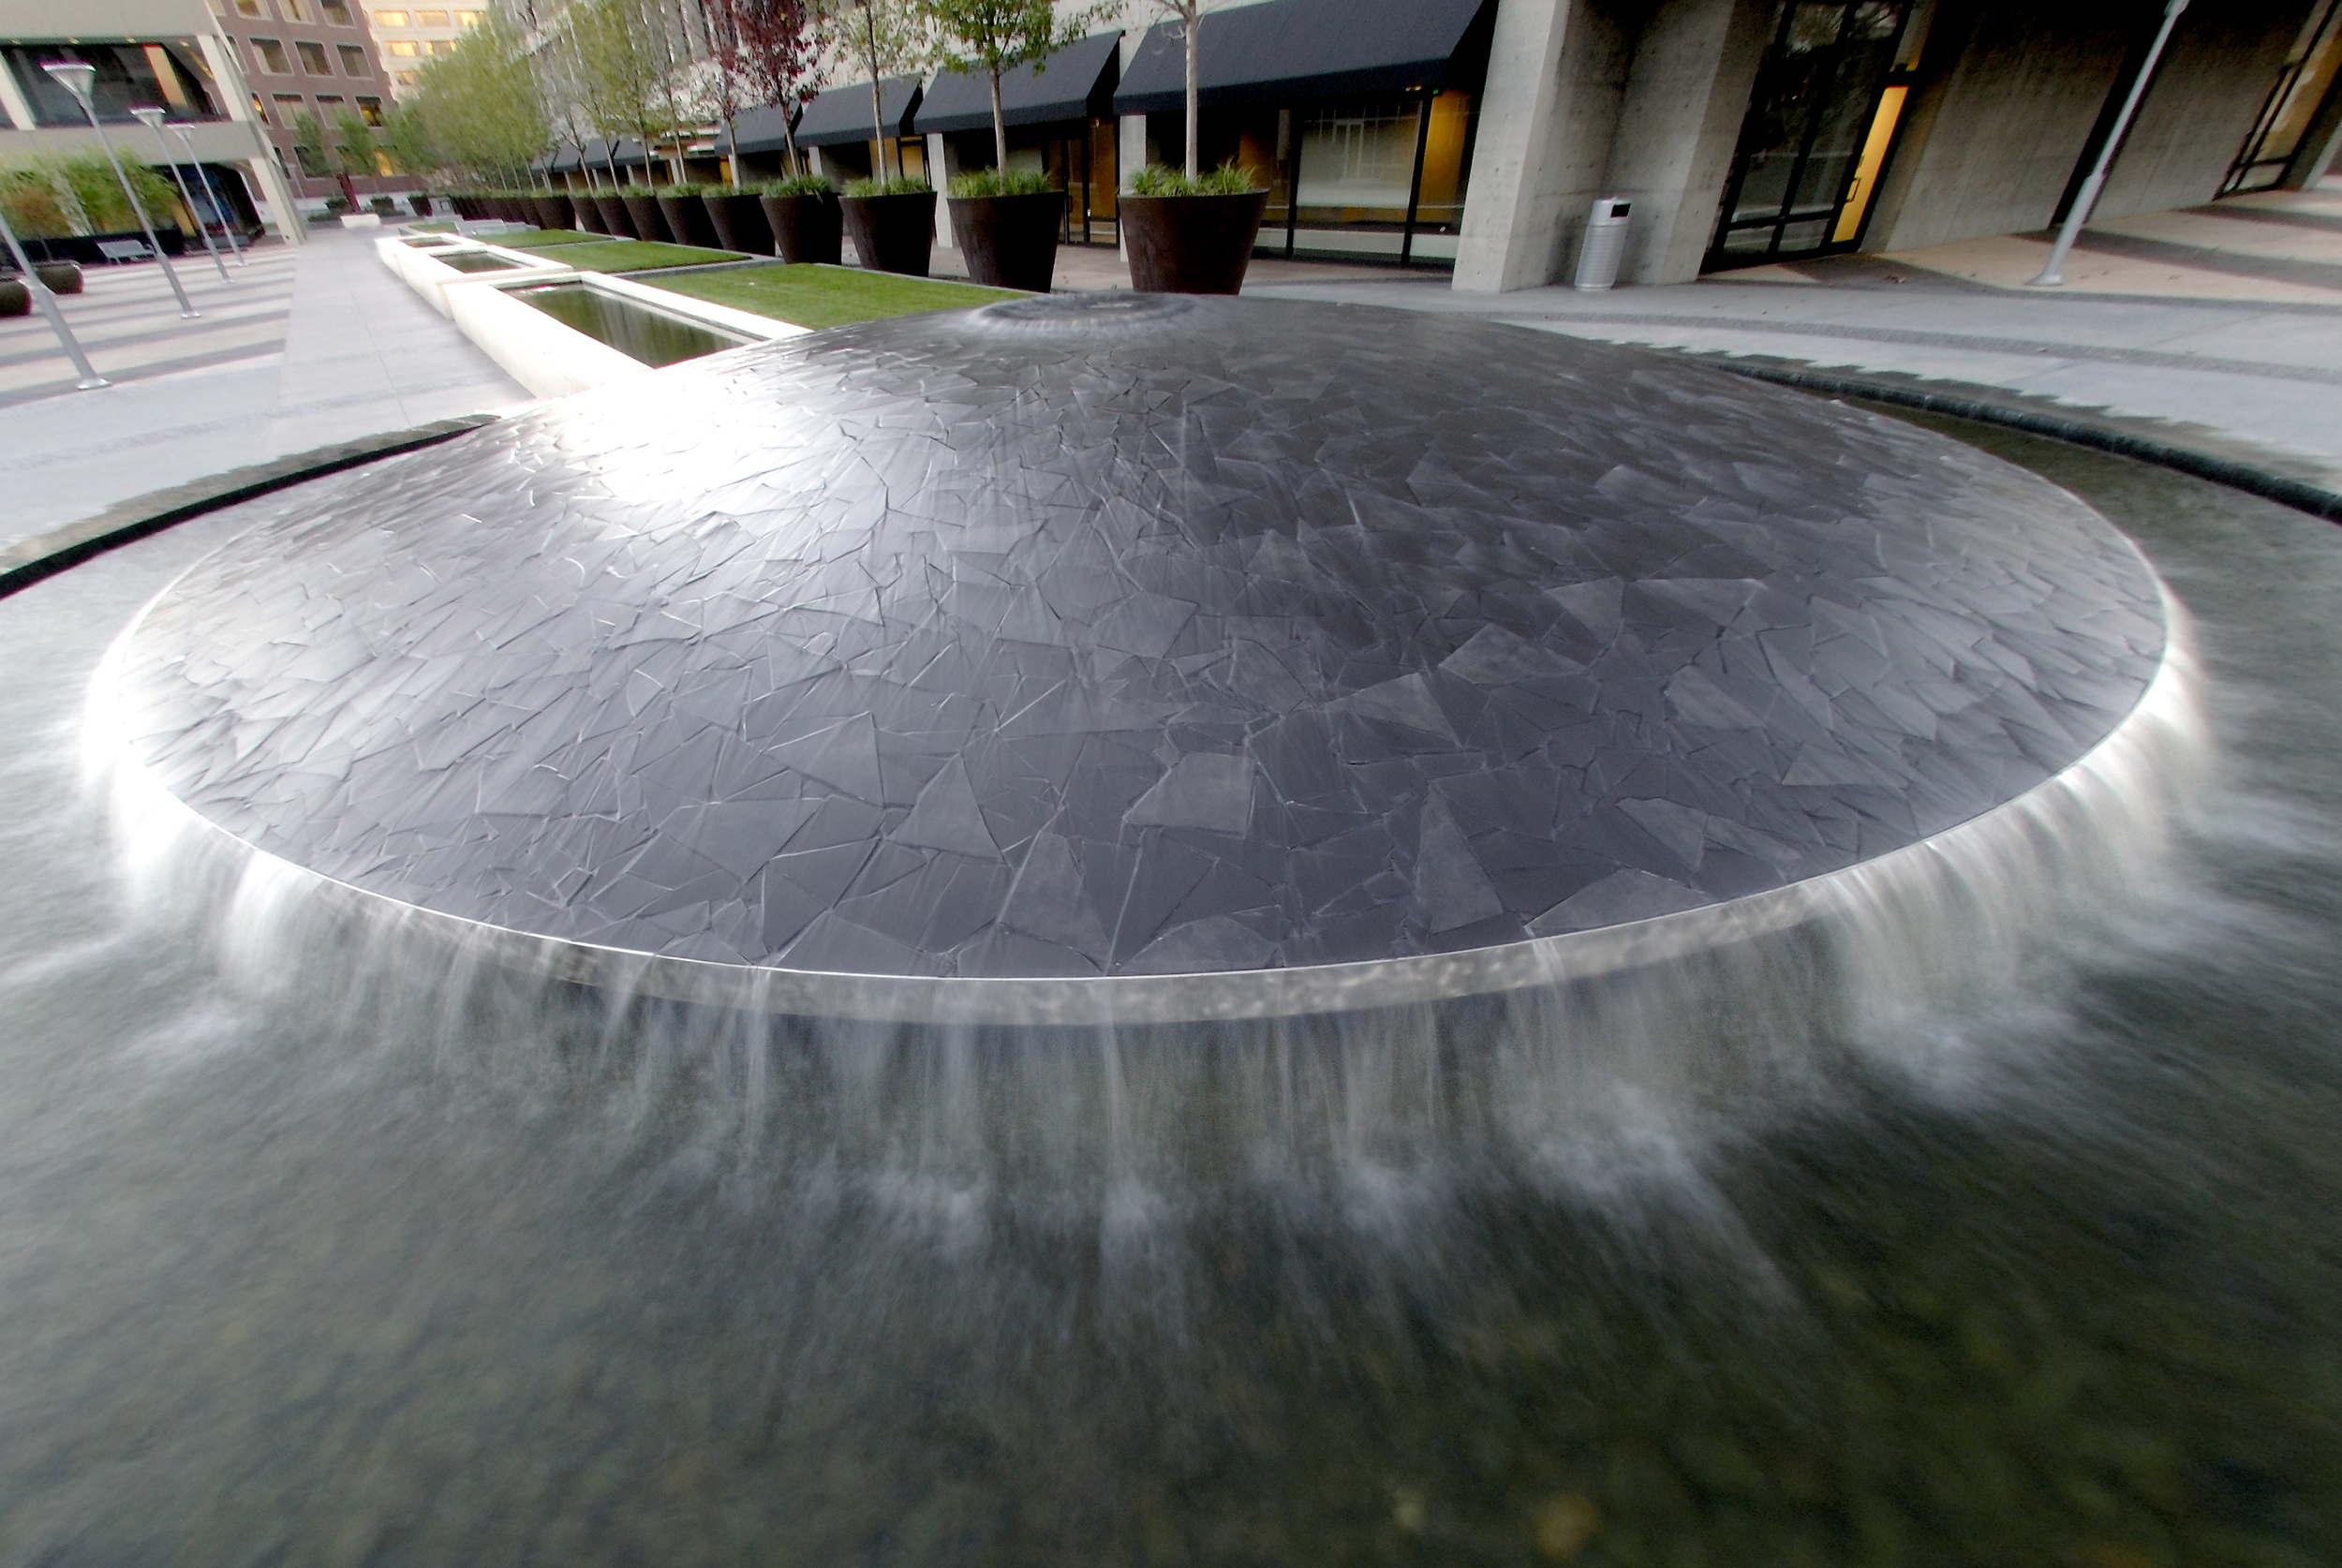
[
  {"x": 305, "y": 348},
  {"x": 2229, "y": 319}
]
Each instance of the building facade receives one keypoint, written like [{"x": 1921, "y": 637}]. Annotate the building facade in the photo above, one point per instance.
[
  {"x": 311, "y": 57},
  {"x": 409, "y": 37},
  {"x": 175, "y": 54}
]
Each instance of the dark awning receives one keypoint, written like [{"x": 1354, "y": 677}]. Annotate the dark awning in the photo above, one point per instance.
[
  {"x": 628, "y": 154},
  {"x": 1078, "y": 84},
  {"x": 1286, "y": 50},
  {"x": 764, "y": 128},
  {"x": 843, "y": 115}
]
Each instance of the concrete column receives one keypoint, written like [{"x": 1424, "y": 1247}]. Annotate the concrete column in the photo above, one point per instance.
[
  {"x": 941, "y": 165},
  {"x": 814, "y": 161},
  {"x": 1131, "y": 154},
  {"x": 1522, "y": 168},
  {"x": 1679, "y": 122},
  {"x": 16, "y": 106}
]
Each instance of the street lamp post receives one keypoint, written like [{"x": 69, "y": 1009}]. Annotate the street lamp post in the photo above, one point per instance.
[
  {"x": 2086, "y": 197},
  {"x": 211, "y": 189},
  {"x": 75, "y": 77},
  {"x": 90, "y": 380},
  {"x": 151, "y": 118}
]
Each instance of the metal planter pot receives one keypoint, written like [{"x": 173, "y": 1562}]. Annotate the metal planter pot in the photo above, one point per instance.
[
  {"x": 616, "y": 219},
  {"x": 642, "y": 216},
  {"x": 893, "y": 233},
  {"x": 1010, "y": 242},
  {"x": 806, "y": 227},
  {"x": 1191, "y": 244},
  {"x": 739, "y": 222},
  {"x": 687, "y": 221}
]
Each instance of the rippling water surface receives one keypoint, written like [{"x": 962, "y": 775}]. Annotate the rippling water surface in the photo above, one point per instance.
[{"x": 307, "y": 1257}]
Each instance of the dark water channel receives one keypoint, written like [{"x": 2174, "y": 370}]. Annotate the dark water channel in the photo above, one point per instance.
[
  {"x": 637, "y": 330},
  {"x": 304, "y": 1265}
]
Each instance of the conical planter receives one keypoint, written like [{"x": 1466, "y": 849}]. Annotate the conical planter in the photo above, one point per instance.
[
  {"x": 893, "y": 233},
  {"x": 642, "y": 216},
  {"x": 15, "y": 299},
  {"x": 739, "y": 223},
  {"x": 615, "y": 218},
  {"x": 687, "y": 221},
  {"x": 553, "y": 212},
  {"x": 588, "y": 213},
  {"x": 1009, "y": 242},
  {"x": 1191, "y": 244},
  {"x": 806, "y": 227},
  {"x": 59, "y": 277}
]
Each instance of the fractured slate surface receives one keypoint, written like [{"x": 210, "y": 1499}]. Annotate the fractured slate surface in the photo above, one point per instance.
[{"x": 1078, "y": 636}]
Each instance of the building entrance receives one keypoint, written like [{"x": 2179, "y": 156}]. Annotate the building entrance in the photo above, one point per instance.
[{"x": 1820, "y": 123}]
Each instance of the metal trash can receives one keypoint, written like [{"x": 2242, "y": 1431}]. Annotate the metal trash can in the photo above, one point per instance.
[{"x": 1605, "y": 242}]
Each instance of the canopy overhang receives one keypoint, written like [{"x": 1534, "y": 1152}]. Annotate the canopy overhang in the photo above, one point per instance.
[
  {"x": 1077, "y": 83},
  {"x": 1288, "y": 49},
  {"x": 841, "y": 116}
]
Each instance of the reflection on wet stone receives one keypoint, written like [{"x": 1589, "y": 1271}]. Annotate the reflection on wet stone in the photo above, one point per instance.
[{"x": 1079, "y": 639}]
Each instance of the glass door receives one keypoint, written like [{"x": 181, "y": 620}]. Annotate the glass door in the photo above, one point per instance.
[{"x": 1820, "y": 123}]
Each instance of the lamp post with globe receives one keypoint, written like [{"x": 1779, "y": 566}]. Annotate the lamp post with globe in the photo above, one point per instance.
[
  {"x": 211, "y": 189},
  {"x": 75, "y": 76},
  {"x": 151, "y": 118}
]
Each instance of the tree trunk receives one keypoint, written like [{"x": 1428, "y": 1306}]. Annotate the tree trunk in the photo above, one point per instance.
[
  {"x": 1194, "y": 18},
  {"x": 1000, "y": 127},
  {"x": 878, "y": 112},
  {"x": 789, "y": 137},
  {"x": 732, "y": 135}
]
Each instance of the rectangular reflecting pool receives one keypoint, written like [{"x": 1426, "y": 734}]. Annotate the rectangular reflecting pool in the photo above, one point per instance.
[
  {"x": 474, "y": 261},
  {"x": 635, "y": 330}
]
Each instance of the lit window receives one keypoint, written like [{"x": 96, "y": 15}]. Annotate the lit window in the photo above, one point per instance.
[
  {"x": 430, "y": 19},
  {"x": 259, "y": 109},
  {"x": 404, "y": 48},
  {"x": 354, "y": 61},
  {"x": 313, "y": 58},
  {"x": 405, "y": 78},
  {"x": 389, "y": 19},
  {"x": 336, "y": 11},
  {"x": 443, "y": 46},
  {"x": 466, "y": 19},
  {"x": 370, "y": 111},
  {"x": 273, "y": 57}
]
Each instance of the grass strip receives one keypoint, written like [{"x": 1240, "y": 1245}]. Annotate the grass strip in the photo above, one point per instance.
[
  {"x": 638, "y": 255},
  {"x": 816, "y": 296},
  {"x": 546, "y": 238}
]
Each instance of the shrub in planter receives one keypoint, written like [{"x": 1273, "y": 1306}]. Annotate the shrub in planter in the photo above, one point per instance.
[
  {"x": 738, "y": 218},
  {"x": 58, "y": 278},
  {"x": 642, "y": 213},
  {"x": 1191, "y": 236},
  {"x": 686, "y": 217},
  {"x": 1006, "y": 226},
  {"x": 15, "y": 299},
  {"x": 616, "y": 219},
  {"x": 893, "y": 224},
  {"x": 806, "y": 222}
]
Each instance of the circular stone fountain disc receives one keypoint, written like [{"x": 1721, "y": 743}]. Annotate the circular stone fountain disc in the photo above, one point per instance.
[{"x": 1330, "y": 655}]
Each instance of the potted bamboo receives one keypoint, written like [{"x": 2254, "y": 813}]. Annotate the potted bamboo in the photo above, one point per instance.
[
  {"x": 893, "y": 224},
  {"x": 1005, "y": 223},
  {"x": 686, "y": 217},
  {"x": 1189, "y": 232}
]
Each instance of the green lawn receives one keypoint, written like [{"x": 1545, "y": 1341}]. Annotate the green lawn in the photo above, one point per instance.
[
  {"x": 545, "y": 237},
  {"x": 635, "y": 256},
  {"x": 811, "y": 296}
]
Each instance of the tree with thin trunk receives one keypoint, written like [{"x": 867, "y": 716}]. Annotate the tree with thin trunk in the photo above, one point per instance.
[
  {"x": 995, "y": 36},
  {"x": 625, "y": 63},
  {"x": 1190, "y": 14},
  {"x": 885, "y": 37},
  {"x": 775, "y": 46}
]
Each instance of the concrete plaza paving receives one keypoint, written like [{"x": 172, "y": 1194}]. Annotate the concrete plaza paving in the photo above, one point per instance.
[{"x": 305, "y": 348}]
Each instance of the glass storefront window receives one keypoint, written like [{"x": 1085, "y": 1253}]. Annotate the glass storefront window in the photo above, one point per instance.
[
  {"x": 1358, "y": 162},
  {"x": 127, "y": 74}
]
